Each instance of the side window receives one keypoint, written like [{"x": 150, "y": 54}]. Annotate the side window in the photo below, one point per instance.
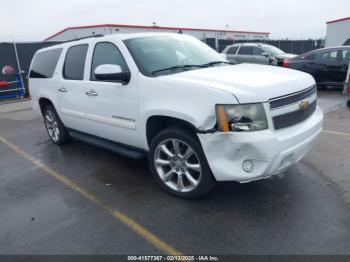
[
  {"x": 346, "y": 56},
  {"x": 246, "y": 50},
  {"x": 309, "y": 56},
  {"x": 328, "y": 56},
  {"x": 75, "y": 62},
  {"x": 258, "y": 51},
  {"x": 45, "y": 63},
  {"x": 107, "y": 53},
  {"x": 232, "y": 50}
]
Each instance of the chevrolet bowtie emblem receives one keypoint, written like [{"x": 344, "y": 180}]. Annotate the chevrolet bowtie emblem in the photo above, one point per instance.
[{"x": 304, "y": 105}]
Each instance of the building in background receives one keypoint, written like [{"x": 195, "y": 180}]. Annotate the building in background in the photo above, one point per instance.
[
  {"x": 338, "y": 32},
  {"x": 214, "y": 38}
]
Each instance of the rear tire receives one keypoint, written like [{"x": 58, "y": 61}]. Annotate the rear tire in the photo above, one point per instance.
[
  {"x": 56, "y": 130},
  {"x": 348, "y": 103},
  {"x": 179, "y": 165}
]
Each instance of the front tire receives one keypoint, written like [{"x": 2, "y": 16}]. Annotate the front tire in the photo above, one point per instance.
[
  {"x": 178, "y": 164},
  {"x": 56, "y": 130}
]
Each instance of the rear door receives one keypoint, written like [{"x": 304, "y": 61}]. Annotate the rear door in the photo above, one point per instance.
[
  {"x": 245, "y": 55},
  {"x": 71, "y": 92}
]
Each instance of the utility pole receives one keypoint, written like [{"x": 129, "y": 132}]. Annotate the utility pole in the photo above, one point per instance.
[{"x": 19, "y": 67}]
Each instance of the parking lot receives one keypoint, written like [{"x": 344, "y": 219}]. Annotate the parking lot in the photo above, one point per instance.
[{"x": 78, "y": 199}]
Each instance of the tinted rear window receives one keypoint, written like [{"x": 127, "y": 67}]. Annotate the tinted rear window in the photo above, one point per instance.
[
  {"x": 246, "y": 50},
  {"x": 44, "y": 63},
  {"x": 345, "y": 55},
  {"x": 330, "y": 56},
  {"x": 232, "y": 50},
  {"x": 75, "y": 62}
]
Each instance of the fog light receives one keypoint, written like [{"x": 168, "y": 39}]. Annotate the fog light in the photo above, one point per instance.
[{"x": 248, "y": 166}]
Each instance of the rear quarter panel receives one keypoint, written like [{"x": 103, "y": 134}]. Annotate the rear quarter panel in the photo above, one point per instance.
[{"x": 45, "y": 87}]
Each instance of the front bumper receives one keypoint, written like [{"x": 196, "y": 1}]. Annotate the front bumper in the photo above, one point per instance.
[{"x": 270, "y": 151}]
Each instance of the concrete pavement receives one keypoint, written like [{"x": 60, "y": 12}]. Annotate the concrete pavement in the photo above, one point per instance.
[{"x": 302, "y": 212}]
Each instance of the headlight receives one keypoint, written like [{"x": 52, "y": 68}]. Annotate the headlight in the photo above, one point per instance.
[{"x": 241, "y": 118}]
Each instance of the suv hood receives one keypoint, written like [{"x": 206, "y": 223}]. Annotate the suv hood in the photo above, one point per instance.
[{"x": 249, "y": 83}]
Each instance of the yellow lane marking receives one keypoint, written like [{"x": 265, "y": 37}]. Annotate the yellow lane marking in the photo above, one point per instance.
[
  {"x": 133, "y": 225},
  {"x": 335, "y": 133}
]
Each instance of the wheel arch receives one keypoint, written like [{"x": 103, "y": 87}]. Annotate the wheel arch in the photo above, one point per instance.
[
  {"x": 157, "y": 123},
  {"x": 43, "y": 102}
]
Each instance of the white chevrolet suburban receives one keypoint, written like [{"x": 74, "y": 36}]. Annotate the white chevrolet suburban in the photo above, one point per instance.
[{"x": 172, "y": 98}]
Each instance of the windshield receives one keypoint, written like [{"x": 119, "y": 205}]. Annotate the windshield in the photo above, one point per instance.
[
  {"x": 274, "y": 50},
  {"x": 171, "y": 54}
]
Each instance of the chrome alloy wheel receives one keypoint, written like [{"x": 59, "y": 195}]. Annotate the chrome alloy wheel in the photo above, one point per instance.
[
  {"x": 52, "y": 125},
  {"x": 177, "y": 165}
]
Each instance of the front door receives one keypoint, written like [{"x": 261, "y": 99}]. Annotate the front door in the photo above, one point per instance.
[
  {"x": 112, "y": 106},
  {"x": 328, "y": 67},
  {"x": 260, "y": 56}
]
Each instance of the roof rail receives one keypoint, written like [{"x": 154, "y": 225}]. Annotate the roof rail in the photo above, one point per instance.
[{"x": 85, "y": 37}]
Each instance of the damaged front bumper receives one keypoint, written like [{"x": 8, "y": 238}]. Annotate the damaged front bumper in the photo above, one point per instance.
[{"x": 248, "y": 156}]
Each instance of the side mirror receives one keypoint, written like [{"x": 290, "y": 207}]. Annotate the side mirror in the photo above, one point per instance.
[
  {"x": 108, "y": 72},
  {"x": 265, "y": 54}
]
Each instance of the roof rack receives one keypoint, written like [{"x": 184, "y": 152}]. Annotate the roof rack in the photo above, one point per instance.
[{"x": 85, "y": 37}]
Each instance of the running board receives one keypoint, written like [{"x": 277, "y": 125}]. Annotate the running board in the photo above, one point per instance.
[{"x": 109, "y": 145}]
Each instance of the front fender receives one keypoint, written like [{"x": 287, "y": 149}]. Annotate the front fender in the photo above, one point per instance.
[{"x": 189, "y": 102}]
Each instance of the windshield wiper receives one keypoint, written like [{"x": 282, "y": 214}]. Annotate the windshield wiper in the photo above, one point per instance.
[
  {"x": 216, "y": 63},
  {"x": 190, "y": 66},
  {"x": 176, "y": 67}
]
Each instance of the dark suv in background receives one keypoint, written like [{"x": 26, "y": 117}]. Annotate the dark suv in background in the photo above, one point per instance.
[
  {"x": 328, "y": 65},
  {"x": 255, "y": 53}
]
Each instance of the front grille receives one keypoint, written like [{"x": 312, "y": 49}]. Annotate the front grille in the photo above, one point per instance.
[
  {"x": 293, "y": 118},
  {"x": 291, "y": 99}
]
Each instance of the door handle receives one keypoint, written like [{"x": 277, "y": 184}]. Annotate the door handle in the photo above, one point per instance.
[
  {"x": 62, "y": 90},
  {"x": 91, "y": 93},
  {"x": 332, "y": 66}
]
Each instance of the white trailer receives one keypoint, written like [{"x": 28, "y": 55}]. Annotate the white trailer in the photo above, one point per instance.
[
  {"x": 338, "y": 32},
  {"x": 203, "y": 34}
]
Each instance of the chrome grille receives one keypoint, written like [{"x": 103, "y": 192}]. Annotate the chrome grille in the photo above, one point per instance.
[
  {"x": 293, "y": 118},
  {"x": 292, "y": 98}
]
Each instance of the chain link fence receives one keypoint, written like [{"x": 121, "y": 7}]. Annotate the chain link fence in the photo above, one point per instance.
[{"x": 26, "y": 52}]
